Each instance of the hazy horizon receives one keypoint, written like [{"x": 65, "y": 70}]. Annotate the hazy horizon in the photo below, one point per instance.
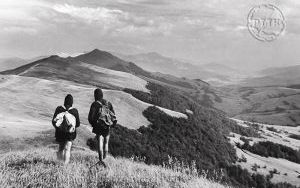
[{"x": 197, "y": 31}]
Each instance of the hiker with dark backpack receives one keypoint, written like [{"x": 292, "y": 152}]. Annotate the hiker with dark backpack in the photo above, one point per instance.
[
  {"x": 65, "y": 122},
  {"x": 102, "y": 117}
]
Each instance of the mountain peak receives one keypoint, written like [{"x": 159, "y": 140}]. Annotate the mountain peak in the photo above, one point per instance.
[
  {"x": 53, "y": 57},
  {"x": 96, "y": 50},
  {"x": 154, "y": 54},
  {"x": 98, "y": 53}
]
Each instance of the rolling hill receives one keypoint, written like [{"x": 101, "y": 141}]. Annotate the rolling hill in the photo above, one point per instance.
[
  {"x": 11, "y": 63},
  {"x": 272, "y": 97},
  {"x": 85, "y": 69},
  {"x": 277, "y": 76},
  {"x": 15, "y": 62},
  {"x": 107, "y": 60},
  {"x": 271, "y": 104},
  {"x": 55, "y": 67},
  {"x": 48, "y": 80},
  {"x": 279, "y": 136},
  {"x": 33, "y": 116}
]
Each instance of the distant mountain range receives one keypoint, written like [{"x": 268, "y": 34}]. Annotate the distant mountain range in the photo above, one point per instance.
[
  {"x": 213, "y": 72},
  {"x": 11, "y": 63},
  {"x": 14, "y": 62},
  {"x": 83, "y": 69},
  {"x": 270, "y": 97},
  {"x": 156, "y": 64},
  {"x": 283, "y": 76}
]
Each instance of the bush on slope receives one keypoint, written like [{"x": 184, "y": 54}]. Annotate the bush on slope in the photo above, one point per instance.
[
  {"x": 191, "y": 143},
  {"x": 185, "y": 139},
  {"x": 270, "y": 149},
  {"x": 200, "y": 138},
  {"x": 168, "y": 98}
]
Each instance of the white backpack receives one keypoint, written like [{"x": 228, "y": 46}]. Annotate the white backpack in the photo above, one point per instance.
[{"x": 65, "y": 121}]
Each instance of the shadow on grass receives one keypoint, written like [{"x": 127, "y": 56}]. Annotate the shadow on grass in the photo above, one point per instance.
[{"x": 24, "y": 163}]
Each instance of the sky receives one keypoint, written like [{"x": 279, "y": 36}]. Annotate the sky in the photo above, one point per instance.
[{"x": 196, "y": 31}]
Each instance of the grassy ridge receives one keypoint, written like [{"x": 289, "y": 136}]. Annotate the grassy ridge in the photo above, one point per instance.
[{"x": 39, "y": 168}]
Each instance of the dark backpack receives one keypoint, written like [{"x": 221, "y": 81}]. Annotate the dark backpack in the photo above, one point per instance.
[{"x": 105, "y": 116}]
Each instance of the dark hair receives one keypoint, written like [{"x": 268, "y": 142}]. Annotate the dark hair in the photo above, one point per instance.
[
  {"x": 68, "y": 101},
  {"x": 98, "y": 94}
]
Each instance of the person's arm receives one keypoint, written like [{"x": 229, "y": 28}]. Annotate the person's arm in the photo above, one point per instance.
[
  {"x": 54, "y": 116},
  {"x": 112, "y": 109},
  {"x": 77, "y": 118},
  {"x": 92, "y": 114}
]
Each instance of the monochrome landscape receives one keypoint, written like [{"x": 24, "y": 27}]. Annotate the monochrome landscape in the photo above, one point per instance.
[{"x": 212, "y": 115}]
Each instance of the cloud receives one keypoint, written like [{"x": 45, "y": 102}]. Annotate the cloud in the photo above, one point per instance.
[
  {"x": 20, "y": 16},
  {"x": 240, "y": 28},
  {"x": 163, "y": 29},
  {"x": 90, "y": 14},
  {"x": 145, "y": 2},
  {"x": 114, "y": 21},
  {"x": 174, "y": 27},
  {"x": 19, "y": 29}
]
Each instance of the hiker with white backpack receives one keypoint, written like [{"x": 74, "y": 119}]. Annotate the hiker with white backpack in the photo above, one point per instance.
[
  {"x": 101, "y": 117},
  {"x": 65, "y": 121}
]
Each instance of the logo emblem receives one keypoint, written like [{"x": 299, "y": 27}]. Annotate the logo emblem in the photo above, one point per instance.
[{"x": 266, "y": 22}]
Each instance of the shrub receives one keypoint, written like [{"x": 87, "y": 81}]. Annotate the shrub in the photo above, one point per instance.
[
  {"x": 243, "y": 159},
  {"x": 272, "y": 129},
  {"x": 270, "y": 149},
  {"x": 169, "y": 98},
  {"x": 255, "y": 167},
  {"x": 295, "y": 136}
]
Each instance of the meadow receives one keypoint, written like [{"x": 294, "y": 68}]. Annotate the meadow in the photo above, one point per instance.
[{"x": 39, "y": 168}]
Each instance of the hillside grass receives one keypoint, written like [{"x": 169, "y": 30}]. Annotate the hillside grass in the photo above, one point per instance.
[{"x": 39, "y": 168}]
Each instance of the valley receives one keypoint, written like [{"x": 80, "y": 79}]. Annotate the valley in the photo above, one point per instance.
[
  {"x": 270, "y": 95},
  {"x": 270, "y": 104}
]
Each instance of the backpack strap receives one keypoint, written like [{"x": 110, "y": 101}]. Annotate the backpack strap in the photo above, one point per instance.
[
  {"x": 105, "y": 102},
  {"x": 67, "y": 109},
  {"x": 99, "y": 102}
]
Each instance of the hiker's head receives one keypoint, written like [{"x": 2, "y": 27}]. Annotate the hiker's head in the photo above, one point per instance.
[
  {"x": 68, "y": 101},
  {"x": 98, "y": 94}
]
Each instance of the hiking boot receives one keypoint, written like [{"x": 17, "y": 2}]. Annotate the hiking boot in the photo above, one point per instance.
[
  {"x": 99, "y": 163},
  {"x": 103, "y": 164}
]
